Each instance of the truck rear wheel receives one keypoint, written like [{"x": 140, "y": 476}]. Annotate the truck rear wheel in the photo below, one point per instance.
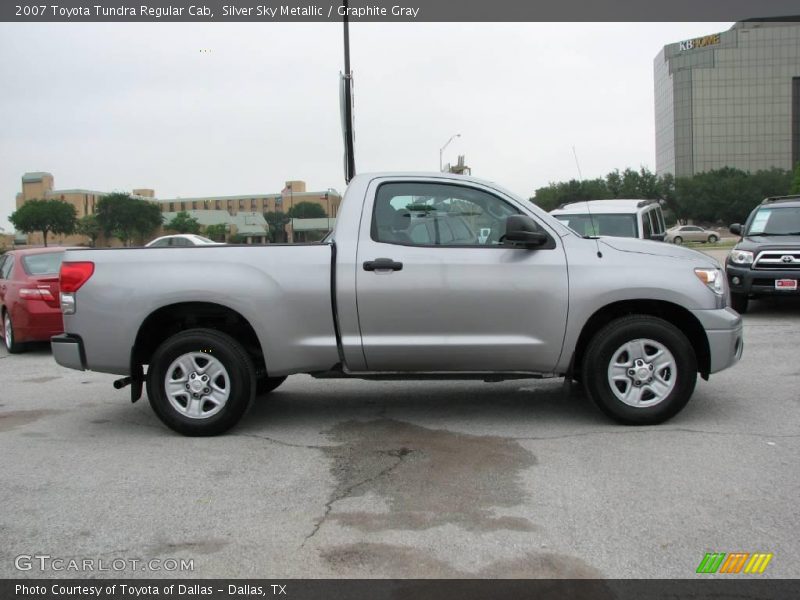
[
  {"x": 640, "y": 370},
  {"x": 200, "y": 382}
]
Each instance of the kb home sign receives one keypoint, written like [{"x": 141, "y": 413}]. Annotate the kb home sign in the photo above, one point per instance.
[{"x": 701, "y": 42}]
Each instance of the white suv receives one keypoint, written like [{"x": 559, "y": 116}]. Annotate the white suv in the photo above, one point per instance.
[{"x": 617, "y": 218}]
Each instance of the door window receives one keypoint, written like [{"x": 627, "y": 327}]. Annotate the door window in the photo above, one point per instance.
[{"x": 435, "y": 214}]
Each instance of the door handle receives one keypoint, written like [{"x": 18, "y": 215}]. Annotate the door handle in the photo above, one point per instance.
[{"x": 383, "y": 264}]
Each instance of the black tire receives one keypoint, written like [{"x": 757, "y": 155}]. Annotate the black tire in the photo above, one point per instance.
[
  {"x": 266, "y": 384},
  {"x": 609, "y": 339},
  {"x": 13, "y": 346},
  {"x": 677, "y": 240},
  {"x": 739, "y": 303},
  {"x": 713, "y": 239},
  {"x": 234, "y": 359}
]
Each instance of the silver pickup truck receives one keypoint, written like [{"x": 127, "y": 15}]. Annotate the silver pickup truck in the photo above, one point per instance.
[{"x": 424, "y": 276}]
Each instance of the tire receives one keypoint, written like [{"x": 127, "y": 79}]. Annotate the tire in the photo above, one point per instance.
[
  {"x": 673, "y": 376},
  {"x": 193, "y": 406},
  {"x": 10, "y": 343},
  {"x": 677, "y": 240},
  {"x": 713, "y": 239},
  {"x": 739, "y": 303},
  {"x": 266, "y": 384}
]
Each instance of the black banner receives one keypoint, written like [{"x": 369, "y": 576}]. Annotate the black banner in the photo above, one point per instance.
[
  {"x": 381, "y": 589},
  {"x": 393, "y": 11}
]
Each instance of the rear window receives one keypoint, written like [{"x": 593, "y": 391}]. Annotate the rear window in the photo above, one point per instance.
[
  {"x": 615, "y": 225},
  {"x": 43, "y": 264}
]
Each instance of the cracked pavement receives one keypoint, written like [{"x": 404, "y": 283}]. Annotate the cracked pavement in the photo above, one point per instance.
[{"x": 409, "y": 479}]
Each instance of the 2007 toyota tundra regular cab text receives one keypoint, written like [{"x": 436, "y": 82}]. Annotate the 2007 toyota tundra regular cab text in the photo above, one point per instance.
[{"x": 404, "y": 287}]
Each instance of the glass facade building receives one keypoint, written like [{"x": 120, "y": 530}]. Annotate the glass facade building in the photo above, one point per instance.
[{"x": 729, "y": 99}]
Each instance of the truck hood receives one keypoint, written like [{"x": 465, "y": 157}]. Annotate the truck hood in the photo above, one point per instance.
[
  {"x": 658, "y": 249},
  {"x": 768, "y": 242}
]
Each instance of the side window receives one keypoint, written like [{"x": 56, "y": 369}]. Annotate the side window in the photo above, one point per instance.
[
  {"x": 7, "y": 267},
  {"x": 2, "y": 260},
  {"x": 436, "y": 214},
  {"x": 647, "y": 231}
]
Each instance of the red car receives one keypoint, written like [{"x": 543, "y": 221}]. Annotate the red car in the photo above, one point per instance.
[{"x": 30, "y": 308}]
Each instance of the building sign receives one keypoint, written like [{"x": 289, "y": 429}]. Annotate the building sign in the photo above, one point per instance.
[{"x": 701, "y": 42}]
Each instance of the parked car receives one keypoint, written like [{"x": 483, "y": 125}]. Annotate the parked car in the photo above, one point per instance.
[
  {"x": 618, "y": 218},
  {"x": 403, "y": 288},
  {"x": 766, "y": 260},
  {"x": 30, "y": 310},
  {"x": 691, "y": 233},
  {"x": 181, "y": 240}
]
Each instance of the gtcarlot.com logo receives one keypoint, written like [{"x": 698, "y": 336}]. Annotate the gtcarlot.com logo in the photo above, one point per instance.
[
  {"x": 46, "y": 562},
  {"x": 734, "y": 562}
]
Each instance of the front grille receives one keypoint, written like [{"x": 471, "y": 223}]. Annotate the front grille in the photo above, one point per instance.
[{"x": 778, "y": 259}]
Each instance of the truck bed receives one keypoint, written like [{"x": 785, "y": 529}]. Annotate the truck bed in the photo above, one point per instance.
[{"x": 284, "y": 291}]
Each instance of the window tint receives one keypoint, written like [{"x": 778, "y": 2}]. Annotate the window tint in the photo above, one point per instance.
[
  {"x": 425, "y": 214},
  {"x": 43, "y": 264}
]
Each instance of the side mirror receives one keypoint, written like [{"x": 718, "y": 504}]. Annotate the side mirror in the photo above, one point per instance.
[
  {"x": 523, "y": 231},
  {"x": 735, "y": 229}
]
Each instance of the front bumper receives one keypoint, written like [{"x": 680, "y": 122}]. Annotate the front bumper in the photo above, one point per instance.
[
  {"x": 68, "y": 351},
  {"x": 760, "y": 282},
  {"x": 724, "y": 330}
]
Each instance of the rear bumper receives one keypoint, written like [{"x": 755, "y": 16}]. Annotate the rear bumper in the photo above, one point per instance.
[
  {"x": 68, "y": 351},
  {"x": 724, "y": 330}
]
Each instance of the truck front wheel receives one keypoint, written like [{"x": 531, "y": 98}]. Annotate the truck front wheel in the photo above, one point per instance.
[
  {"x": 640, "y": 370},
  {"x": 200, "y": 382}
]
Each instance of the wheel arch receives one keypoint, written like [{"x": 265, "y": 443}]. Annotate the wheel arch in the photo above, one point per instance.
[
  {"x": 670, "y": 312},
  {"x": 168, "y": 320}
]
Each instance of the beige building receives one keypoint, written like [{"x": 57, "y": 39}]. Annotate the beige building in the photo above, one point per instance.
[{"x": 40, "y": 186}]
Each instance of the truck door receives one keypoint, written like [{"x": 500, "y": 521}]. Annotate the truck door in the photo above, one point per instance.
[{"x": 438, "y": 291}]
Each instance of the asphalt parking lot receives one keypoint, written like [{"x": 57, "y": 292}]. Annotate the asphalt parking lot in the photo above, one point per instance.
[{"x": 399, "y": 479}]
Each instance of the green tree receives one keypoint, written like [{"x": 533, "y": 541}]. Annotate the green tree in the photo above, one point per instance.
[
  {"x": 795, "y": 187},
  {"x": 276, "y": 222},
  {"x": 90, "y": 227},
  {"x": 217, "y": 231},
  {"x": 184, "y": 223},
  {"x": 556, "y": 194},
  {"x": 306, "y": 210},
  {"x": 47, "y": 216},
  {"x": 124, "y": 217},
  {"x": 237, "y": 239}
]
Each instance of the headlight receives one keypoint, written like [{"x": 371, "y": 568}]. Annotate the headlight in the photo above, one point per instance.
[
  {"x": 713, "y": 278},
  {"x": 741, "y": 257}
]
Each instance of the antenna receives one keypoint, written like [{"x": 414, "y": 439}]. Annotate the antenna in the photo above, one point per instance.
[{"x": 588, "y": 206}]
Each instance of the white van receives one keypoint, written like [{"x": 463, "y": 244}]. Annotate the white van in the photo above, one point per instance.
[{"x": 617, "y": 218}]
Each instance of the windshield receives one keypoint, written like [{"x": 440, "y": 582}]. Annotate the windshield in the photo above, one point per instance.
[
  {"x": 776, "y": 221},
  {"x": 43, "y": 264},
  {"x": 620, "y": 225}
]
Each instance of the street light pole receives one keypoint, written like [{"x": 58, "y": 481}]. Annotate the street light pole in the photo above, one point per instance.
[{"x": 441, "y": 150}]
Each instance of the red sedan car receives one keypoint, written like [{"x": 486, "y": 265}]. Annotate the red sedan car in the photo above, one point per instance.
[{"x": 30, "y": 308}]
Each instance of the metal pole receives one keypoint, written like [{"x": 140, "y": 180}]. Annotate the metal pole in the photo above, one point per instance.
[{"x": 350, "y": 161}]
